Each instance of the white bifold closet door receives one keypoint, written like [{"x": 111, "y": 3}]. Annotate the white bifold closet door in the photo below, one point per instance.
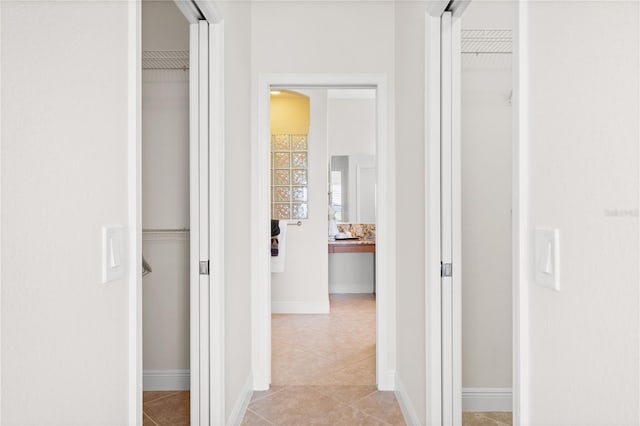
[
  {"x": 199, "y": 218},
  {"x": 206, "y": 147},
  {"x": 450, "y": 214}
]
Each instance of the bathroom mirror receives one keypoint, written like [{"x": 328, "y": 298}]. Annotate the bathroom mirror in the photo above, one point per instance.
[{"x": 352, "y": 188}]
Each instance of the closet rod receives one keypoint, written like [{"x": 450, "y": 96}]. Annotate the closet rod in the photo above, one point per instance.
[
  {"x": 486, "y": 53},
  {"x": 167, "y": 68}
]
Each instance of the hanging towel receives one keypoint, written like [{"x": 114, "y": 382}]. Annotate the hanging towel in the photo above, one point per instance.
[
  {"x": 275, "y": 231},
  {"x": 277, "y": 262}
]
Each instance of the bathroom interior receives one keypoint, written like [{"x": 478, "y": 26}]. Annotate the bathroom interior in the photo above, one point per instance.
[{"x": 323, "y": 194}]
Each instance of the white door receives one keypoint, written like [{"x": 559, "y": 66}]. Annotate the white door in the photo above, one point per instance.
[
  {"x": 206, "y": 114},
  {"x": 199, "y": 212},
  {"x": 450, "y": 225}
]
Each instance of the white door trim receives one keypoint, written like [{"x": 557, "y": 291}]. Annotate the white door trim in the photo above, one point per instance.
[
  {"x": 214, "y": 403},
  {"x": 134, "y": 192},
  {"x": 385, "y": 245},
  {"x": 520, "y": 207},
  {"x": 216, "y": 222},
  {"x": 433, "y": 293},
  {"x": 446, "y": 216}
]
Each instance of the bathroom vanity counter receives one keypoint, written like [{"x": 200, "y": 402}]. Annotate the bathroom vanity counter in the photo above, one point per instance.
[{"x": 352, "y": 246}]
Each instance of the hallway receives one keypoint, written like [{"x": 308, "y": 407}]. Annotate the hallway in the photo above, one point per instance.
[
  {"x": 323, "y": 370},
  {"x": 323, "y": 373}
]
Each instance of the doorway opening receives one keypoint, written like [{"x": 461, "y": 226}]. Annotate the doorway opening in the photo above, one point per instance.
[
  {"x": 486, "y": 90},
  {"x": 367, "y": 353},
  {"x": 165, "y": 213},
  {"x": 474, "y": 216},
  {"x": 263, "y": 287},
  {"x": 204, "y": 171}
]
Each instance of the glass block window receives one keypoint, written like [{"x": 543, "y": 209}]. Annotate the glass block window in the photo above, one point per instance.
[{"x": 289, "y": 177}]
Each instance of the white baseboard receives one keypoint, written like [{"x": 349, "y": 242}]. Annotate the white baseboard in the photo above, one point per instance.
[
  {"x": 240, "y": 407},
  {"x": 408, "y": 410},
  {"x": 166, "y": 380},
  {"x": 387, "y": 381},
  {"x": 300, "y": 307},
  {"x": 341, "y": 288},
  {"x": 487, "y": 399}
]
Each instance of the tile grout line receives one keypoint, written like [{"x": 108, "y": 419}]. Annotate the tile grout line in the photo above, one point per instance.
[
  {"x": 261, "y": 417},
  {"x": 266, "y": 396},
  {"x": 149, "y": 417}
]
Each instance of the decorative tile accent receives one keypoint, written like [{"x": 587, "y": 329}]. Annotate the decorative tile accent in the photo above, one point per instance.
[
  {"x": 281, "y": 194},
  {"x": 281, "y": 177},
  {"x": 299, "y": 160},
  {"x": 299, "y": 193},
  {"x": 299, "y": 143},
  {"x": 280, "y": 142},
  {"x": 281, "y": 160},
  {"x": 299, "y": 177},
  {"x": 281, "y": 210},
  {"x": 366, "y": 231},
  {"x": 289, "y": 163},
  {"x": 299, "y": 211}
]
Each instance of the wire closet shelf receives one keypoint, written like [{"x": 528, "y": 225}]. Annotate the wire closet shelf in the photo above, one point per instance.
[
  {"x": 165, "y": 60},
  {"x": 493, "y": 42}
]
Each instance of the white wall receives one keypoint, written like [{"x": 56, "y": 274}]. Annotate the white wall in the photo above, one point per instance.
[
  {"x": 486, "y": 222},
  {"x": 366, "y": 28},
  {"x": 64, "y": 176},
  {"x": 582, "y": 138},
  {"x": 486, "y": 206},
  {"x": 237, "y": 39},
  {"x": 351, "y": 126},
  {"x": 165, "y": 200},
  {"x": 303, "y": 286},
  {"x": 163, "y": 26},
  {"x": 410, "y": 179},
  {"x": 320, "y": 37}
]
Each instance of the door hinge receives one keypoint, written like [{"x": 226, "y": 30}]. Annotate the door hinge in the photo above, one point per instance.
[
  {"x": 204, "y": 267},
  {"x": 446, "y": 269}
]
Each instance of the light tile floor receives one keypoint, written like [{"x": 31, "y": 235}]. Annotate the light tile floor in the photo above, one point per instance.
[
  {"x": 323, "y": 370},
  {"x": 323, "y": 373},
  {"x": 165, "y": 408}
]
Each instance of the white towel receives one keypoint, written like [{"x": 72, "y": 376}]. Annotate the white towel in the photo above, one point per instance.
[{"x": 277, "y": 262}]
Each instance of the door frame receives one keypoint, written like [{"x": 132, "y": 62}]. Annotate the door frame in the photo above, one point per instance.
[
  {"x": 433, "y": 315},
  {"x": 211, "y": 344},
  {"x": 385, "y": 221}
]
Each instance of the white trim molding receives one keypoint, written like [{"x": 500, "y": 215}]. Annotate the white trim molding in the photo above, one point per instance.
[
  {"x": 134, "y": 196},
  {"x": 408, "y": 410},
  {"x": 486, "y": 399},
  {"x": 242, "y": 403},
  {"x": 166, "y": 379},
  {"x": 300, "y": 307},
  {"x": 520, "y": 240},
  {"x": 385, "y": 216},
  {"x": 433, "y": 315}
]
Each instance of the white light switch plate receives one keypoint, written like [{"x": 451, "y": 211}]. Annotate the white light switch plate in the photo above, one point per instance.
[
  {"x": 547, "y": 258},
  {"x": 114, "y": 256}
]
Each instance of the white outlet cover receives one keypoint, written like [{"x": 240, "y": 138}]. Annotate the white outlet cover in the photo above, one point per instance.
[
  {"x": 547, "y": 258},
  {"x": 114, "y": 256}
]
